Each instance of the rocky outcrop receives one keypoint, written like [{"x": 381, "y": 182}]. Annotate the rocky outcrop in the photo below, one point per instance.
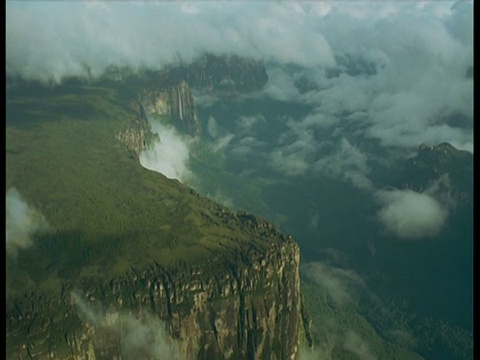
[
  {"x": 136, "y": 132},
  {"x": 222, "y": 74},
  {"x": 243, "y": 306},
  {"x": 443, "y": 169},
  {"x": 173, "y": 100}
]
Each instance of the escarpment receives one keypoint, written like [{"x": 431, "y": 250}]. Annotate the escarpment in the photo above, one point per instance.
[
  {"x": 171, "y": 100},
  {"x": 135, "y": 266},
  {"x": 168, "y": 93},
  {"x": 136, "y": 132},
  {"x": 243, "y": 302},
  {"x": 174, "y": 100}
]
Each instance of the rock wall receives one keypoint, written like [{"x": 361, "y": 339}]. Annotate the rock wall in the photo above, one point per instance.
[
  {"x": 445, "y": 170},
  {"x": 136, "y": 132},
  {"x": 246, "y": 306},
  {"x": 176, "y": 101},
  {"x": 222, "y": 74}
]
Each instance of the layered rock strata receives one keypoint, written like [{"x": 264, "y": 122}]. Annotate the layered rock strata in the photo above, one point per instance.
[{"x": 244, "y": 306}]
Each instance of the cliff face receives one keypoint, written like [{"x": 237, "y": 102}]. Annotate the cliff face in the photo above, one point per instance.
[
  {"x": 222, "y": 74},
  {"x": 174, "y": 100},
  {"x": 136, "y": 132},
  {"x": 168, "y": 92},
  {"x": 243, "y": 307}
]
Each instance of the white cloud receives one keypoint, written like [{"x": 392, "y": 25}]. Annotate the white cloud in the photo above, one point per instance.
[
  {"x": 417, "y": 56},
  {"x": 22, "y": 223},
  {"x": 295, "y": 157},
  {"x": 411, "y": 215},
  {"x": 247, "y": 146}
]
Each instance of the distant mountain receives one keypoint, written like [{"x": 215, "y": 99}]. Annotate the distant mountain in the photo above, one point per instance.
[
  {"x": 434, "y": 276},
  {"x": 442, "y": 166}
]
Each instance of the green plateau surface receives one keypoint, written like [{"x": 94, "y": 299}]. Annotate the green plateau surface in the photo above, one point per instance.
[{"x": 106, "y": 213}]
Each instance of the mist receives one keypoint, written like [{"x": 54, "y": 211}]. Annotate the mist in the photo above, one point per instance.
[
  {"x": 355, "y": 344},
  {"x": 341, "y": 285},
  {"x": 139, "y": 335},
  {"x": 21, "y": 224},
  {"x": 169, "y": 155}
]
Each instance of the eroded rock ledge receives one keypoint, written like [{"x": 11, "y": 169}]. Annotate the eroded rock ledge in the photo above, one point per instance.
[{"x": 247, "y": 306}]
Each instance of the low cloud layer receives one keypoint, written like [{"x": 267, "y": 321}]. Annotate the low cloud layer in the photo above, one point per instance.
[
  {"x": 51, "y": 40},
  {"x": 411, "y": 215},
  {"x": 169, "y": 155},
  {"x": 22, "y": 223},
  {"x": 394, "y": 73}
]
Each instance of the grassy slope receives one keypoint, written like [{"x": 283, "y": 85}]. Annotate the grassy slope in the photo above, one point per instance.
[{"x": 106, "y": 212}]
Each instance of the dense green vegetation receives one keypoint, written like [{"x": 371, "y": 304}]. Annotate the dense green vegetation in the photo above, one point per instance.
[{"x": 104, "y": 210}]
